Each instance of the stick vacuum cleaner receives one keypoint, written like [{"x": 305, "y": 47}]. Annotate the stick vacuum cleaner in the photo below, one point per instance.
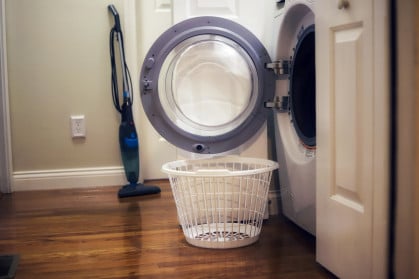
[{"x": 128, "y": 140}]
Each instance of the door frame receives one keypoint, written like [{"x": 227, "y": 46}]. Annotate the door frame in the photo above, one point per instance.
[
  {"x": 5, "y": 140},
  {"x": 405, "y": 193}
]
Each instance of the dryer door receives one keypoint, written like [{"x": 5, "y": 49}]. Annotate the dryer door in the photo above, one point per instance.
[{"x": 204, "y": 85}]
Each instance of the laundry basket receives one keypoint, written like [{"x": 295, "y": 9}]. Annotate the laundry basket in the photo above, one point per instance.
[{"x": 220, "y": 201}]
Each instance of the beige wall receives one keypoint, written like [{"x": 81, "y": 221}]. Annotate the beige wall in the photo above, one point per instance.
[{"x": 58, "y": 66}]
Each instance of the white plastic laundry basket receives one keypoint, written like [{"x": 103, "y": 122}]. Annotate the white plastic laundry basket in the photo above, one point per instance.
[{"x": 220, "y": 201}]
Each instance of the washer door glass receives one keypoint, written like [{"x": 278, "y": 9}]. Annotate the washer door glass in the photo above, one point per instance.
[
  {"x": 203, "y": 87},
  {"x": 208, "y": 85}
]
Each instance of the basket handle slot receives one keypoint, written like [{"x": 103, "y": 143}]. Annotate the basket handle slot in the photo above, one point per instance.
[{"x": 214, "y": 172}]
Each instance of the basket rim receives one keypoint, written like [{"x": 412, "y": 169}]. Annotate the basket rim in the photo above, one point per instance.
[{"x": 270, "y": 165}]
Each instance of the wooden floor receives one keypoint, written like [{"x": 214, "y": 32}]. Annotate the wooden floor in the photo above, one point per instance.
[{"x": 89, "y": 233}]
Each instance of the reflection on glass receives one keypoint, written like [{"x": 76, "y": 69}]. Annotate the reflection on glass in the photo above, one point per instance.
[{"x": 208, "y": 85}]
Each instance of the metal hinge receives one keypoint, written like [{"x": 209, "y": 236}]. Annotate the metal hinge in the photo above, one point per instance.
[
  {"x": 279, "y": 103},
  {"x": 281, "y": 68}
]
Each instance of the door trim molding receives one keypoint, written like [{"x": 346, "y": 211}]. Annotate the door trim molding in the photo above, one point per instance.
[{"x": 5, "y": 140}]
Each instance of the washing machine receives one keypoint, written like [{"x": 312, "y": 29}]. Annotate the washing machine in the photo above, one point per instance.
[
  {"x": 208, "y": 85},
  {"x": 295, "y": 120}
]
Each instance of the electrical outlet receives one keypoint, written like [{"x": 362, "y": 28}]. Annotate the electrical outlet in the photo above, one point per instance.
[{"x": 78, "y": 126}]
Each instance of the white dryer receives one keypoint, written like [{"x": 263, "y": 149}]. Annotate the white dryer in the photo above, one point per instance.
[{"x": 208, "y": 85}]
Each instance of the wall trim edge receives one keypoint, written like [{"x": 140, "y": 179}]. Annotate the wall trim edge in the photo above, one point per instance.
[{"x": 68, "y": 178}]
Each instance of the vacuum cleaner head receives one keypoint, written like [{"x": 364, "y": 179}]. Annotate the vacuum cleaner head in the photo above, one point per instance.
[{"x": 138, "y": 189}]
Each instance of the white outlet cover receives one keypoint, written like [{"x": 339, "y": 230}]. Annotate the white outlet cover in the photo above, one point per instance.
[{"x": 78, "y": 126}]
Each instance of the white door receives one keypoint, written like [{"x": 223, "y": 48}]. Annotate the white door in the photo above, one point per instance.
[
  {"x": 352, "y": 137},
  {"x": 257, "y": 16},
  {"x": 154, "y": 150}
]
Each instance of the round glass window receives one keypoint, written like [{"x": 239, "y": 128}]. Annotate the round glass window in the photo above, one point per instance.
[{"x": 208, "y": 85}]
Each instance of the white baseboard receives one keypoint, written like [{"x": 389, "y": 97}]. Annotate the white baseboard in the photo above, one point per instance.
[{"x": 67, "y": 178}]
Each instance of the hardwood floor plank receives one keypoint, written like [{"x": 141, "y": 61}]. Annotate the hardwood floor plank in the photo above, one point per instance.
[{"x": 89, "y": 233}]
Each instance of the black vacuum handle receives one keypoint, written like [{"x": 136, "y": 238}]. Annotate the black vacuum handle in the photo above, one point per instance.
[{"x": 115, "y": 14}]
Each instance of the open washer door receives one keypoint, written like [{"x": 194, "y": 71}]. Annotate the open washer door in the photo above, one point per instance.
[{"x": 204, "y": 85}]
